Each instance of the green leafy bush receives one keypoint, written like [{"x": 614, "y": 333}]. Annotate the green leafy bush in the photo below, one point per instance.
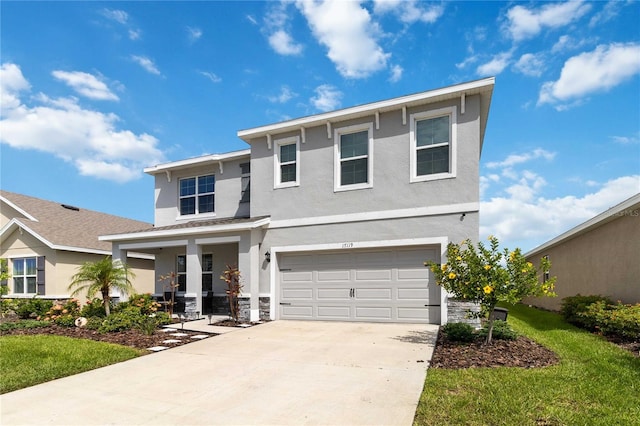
[
  {"x": 501, "y": 330},
  {"x": 31, "y": 308},
  {"x": 25, "y": 324},
  {"x": 614, "y": 320},
  {"x": 123, "y": 319},
  {"x": 459, "y": 332},
  {"x": 64, "y": 313},
  {"x": 161, "y": 318},
  {"x": 572, "y": 308},
  {"x": 144, "y": 302},
  {"x": 93, "y": 308},
  {"x": 94, "y": 323}
]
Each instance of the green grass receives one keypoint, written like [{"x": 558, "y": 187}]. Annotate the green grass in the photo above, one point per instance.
[
  {"x": 596, "y": 383},
  {"x": 29, "y": 360}
]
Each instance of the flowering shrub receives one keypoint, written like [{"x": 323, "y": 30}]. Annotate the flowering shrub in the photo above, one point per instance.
[
  {"x": 487, "y": 276},
  {"x": 63, "y": 313},
  {"x": 144, "y": 302},
  {"x": 94, "y": 308}
]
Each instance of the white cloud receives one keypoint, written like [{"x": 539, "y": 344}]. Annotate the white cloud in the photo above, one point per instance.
[
  {"x": 211, "y": 76},
  {"x": 284, "y": 96},
  {"x": 496, "y": 65},
  {"x": 347, "y": 31},
  {"x": 86, "y": 85},
  {"x": 88, "y": 139},
  {"x": 396, "y": 73},
  {"x": 597, "y": 71},
  {"x": 410, "y": 11},
  {"x": 530, "y": 64},
  {"x": 515, "y": 159},
  {"x": 283, "y": 44},
  {"x": 523, "y": 23},
  {"x": 327, "y": 98},
  {"x": 194, "y": 34},
  {"x": 251, "y": 19},
  {"x": 146, "y": 63},
  {"x": 119, "y": 16},
  {"x": 608, "y": 12},
  {"x": 528, "y": 221},
  {"x": 626, "y": 140},
  {"x": 135, "y": 34}
]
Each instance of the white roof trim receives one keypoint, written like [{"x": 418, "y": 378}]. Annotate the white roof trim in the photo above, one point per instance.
[
  {"x": 190, "y": 162},
  {"x": 604, "y": 217},
  {"x": 18, "y": 209},
  {"x": 211, "y": 229},
  {"x": 455, "y": 91}
]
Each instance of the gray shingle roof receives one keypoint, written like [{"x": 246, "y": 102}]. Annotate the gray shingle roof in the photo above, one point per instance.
[{"x": 70, "y": 227}]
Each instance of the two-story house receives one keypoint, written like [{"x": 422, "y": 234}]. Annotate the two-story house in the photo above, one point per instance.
[{"x": 329, "y": 216}]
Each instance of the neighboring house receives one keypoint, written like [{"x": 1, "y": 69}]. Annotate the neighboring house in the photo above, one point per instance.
[
  {"x": 600, "y": 256},
  {"x": 328, "y": 217},
  {"x": 45, "y": 242}
]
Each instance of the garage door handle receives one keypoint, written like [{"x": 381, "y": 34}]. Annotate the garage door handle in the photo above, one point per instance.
[
  {"x": 431, "y": 305},
  {"x": 285, "y": 303}
]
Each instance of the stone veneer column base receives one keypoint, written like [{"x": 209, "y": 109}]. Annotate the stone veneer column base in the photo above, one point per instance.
[{"x": 458, "y": 311}]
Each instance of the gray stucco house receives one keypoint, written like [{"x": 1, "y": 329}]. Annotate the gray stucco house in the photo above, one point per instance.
[{"x": 329, "y": 216}]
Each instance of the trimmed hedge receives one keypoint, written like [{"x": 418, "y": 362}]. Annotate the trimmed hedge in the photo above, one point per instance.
[{"x": 602, "y": 315}]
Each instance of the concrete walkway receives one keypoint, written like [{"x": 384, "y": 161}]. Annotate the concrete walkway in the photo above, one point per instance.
[{"x": 277, "y": 373}]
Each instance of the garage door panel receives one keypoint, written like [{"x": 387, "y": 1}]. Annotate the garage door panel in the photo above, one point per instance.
[
  {"x": 373, "y": 313},
  {"x": 334, "y": 312},
  {"x": 333, "y": 260},
  {"x": 373, "y": 275},
  {"x": 373, "y": 293},
  {"x": 300, "y": 311},
  {"x": 334, "y": 275},
  {"x": 416, "y": 313},
  {"x": 413, "y": 274},
  {"x": 299, "y": 262},
  {"x": 413, "y": 294},
  {"x": 298, "y": 276},
  {"x": 297, "y": 293},
  {"x": 334, "y": 293}
]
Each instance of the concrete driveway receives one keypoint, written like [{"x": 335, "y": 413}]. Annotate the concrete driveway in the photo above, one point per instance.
[{"x": 282, "y": 372}]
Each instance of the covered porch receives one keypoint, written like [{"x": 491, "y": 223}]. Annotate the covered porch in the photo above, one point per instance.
[{"x": 196, "y": 254}]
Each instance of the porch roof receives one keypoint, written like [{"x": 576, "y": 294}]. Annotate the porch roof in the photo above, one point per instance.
[{"x": 211, "y": 226}]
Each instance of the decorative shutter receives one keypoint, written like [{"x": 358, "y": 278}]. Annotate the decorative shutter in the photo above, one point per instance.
[{"x": 40, "y": 275}]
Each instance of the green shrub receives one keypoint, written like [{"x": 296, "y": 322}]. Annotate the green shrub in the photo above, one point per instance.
[
  {"x": 144, "y": 302},
  {"x": 64, "y": 313},
  {"x": 162, "y": 318},
  {"x": 459, "y": 332},
  {"x": 124, "y": 319},
  {"x": 501, "y": 330},
  {"x": 65, "y": 320},
  {"x": 573, "y": 306},
  {"x": 615, "y": 320},
  {"x": 31, "y": 308},
  {"x": 93, "y": 308},
  {"x": 147, "y": 325},
  {"x": 25, "y": 324},
  {"x": 94, "y": 323}
]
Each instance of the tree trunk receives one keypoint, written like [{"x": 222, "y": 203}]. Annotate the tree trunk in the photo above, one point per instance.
[
  {"x": 490, "y": 331},
  {"x": 107, "y": 301}
]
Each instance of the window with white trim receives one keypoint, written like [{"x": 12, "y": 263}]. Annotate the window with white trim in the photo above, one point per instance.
[
  {"x": 181, "y": 272},
  {"x": 24, "y": 275},
  {"x": 433, "y": 144},
  {"x": 207, "y": 272},
  {"x": 287, "y": 163},
  {"x": 353, "y": 148},
  {"x": 197, "y": 195}
]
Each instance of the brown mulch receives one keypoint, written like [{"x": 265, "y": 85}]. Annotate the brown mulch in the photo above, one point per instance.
[
  {"x": 132, "y": 338},
  {"x": 522, "y": 352}
]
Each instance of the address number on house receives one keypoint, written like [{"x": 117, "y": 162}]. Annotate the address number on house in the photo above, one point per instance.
[{"x": 347, "y": 245}]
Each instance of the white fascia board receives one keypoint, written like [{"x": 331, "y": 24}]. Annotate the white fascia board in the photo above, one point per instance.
[
  {"x": 18, "y": 209},
  {"x": 455, "y": 91},
  {"x": 630, "y": 204},
  {"x": 378, "y": 215},
  {"x": 214, "y": 229},
  {"x": 190, "y": 162}
]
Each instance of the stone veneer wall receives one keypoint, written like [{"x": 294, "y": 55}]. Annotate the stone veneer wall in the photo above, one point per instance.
[
  {"x": 221, "y": 306},
  {"x": 457, "y": 311}
]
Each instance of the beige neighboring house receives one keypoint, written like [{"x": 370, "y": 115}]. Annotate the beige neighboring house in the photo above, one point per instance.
[
  {"x": 600, "y": 256},
  {"x": 45, "y": 242}
]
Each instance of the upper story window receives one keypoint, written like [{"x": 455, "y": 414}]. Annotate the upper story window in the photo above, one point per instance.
[
  {"x": 353, "y": 148},
  {"x": 286, "y": 162},
  {"x": 197, "y": 195},
  {"x": 433, "y": 144},
  {"x": 245, "y": 182},
  {"x": 24, "y": 275}
]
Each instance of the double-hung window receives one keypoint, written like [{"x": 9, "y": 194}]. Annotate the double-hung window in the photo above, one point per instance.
[
  {"x": 181, "y": 272},
  {"x": 353, "y": 148},
  {"x": 433, "y": 144},
  {"x": 286, "y": 162},
  {"x": 24, "y": 275},
  {"x": 207, "y": 272},
  {"x": 197, "y": 195}
]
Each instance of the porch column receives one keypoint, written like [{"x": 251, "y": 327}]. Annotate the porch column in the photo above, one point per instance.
[
  {"x": 194, "y": 273},
  {"x": 249, "y": 265},
  {"x": 118, "y": 254}
]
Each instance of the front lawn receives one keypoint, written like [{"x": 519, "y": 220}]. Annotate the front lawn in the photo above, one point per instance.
[
  {"x": 596, "y": 383},
  {"x": 29, "y": 360}
]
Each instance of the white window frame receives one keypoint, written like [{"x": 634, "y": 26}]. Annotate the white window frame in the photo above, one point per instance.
[
  {"x": 208, "y": 272},
  {"x": 196, "y": 195},
  {"x": 453, "y": 143},
  {"x": 180, "y": 273},
  {"x": 24, "y": 276},
  {"x": 338, "y": 132},
  {"x": 277, "y": 170}
]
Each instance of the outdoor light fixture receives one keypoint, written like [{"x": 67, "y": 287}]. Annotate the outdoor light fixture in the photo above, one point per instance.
[
  {"x": 267, "y": 256},
  {"x": 462, "y": 216}
]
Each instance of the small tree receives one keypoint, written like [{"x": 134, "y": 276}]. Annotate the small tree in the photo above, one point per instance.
[
  {"x": 231, "y": 276},
  {"x": 102, "y": 277},
  {"x": 171, "y": 284},
  {"x": 487, "y": 276}
]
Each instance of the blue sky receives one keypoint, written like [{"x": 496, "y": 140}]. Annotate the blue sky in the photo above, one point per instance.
[{"x": 93, "y": 92}]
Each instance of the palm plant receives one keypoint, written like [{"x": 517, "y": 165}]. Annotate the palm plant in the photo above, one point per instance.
[{"x": 102, "y": 277}]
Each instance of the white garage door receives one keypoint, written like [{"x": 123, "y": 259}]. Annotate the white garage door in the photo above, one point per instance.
[{"x": 374, "y": 285}]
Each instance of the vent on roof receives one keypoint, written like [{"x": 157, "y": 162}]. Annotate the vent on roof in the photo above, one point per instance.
[{"x": 74, "y": 208}]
